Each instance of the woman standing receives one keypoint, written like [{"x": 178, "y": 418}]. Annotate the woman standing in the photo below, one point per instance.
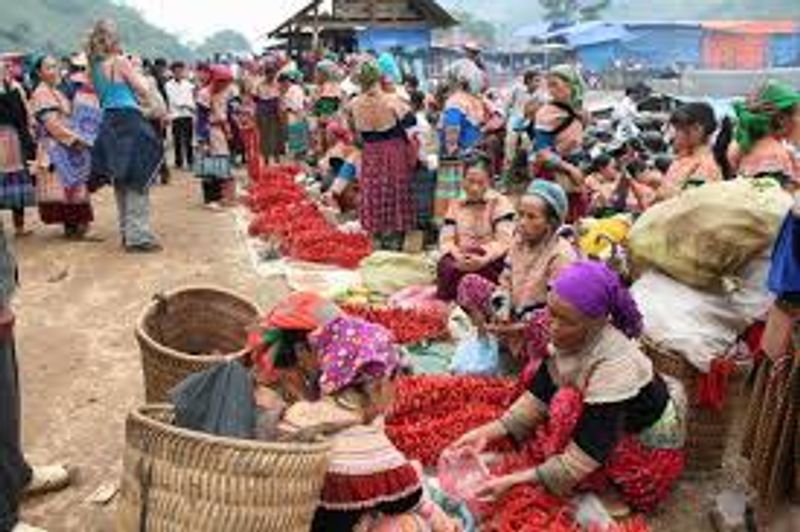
[
  {"x": 214, "y": 163},
  {"x": 269, "y": 118},
  {"x": 386, "y": 201},
  {"x": 558, "y": 137},
  {"x": 294, "y": 105},
  {"x": 127, "y": 151},
  {"x": 771, "y": 433},
  {"x": 767, "y": 124},
  {"x": 63, "y": 161},
  {"x": 460, "y": 132},
  {"x": 16, "y": 149}
]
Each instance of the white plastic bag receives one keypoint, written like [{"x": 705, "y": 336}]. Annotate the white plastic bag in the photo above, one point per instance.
[{"x": 477, "y": 355}]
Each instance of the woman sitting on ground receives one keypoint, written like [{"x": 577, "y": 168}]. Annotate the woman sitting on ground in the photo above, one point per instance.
[
  {"x": 631, "y": 426},
  {"x": 536, "y": 257},
  {"x": 477, "y": 231},
  {"x": 767, "y": 126},
  {"x": 695, "y": 163},
  {"x": 286, "y": 368},
  {"x": 370, "y": 484}
]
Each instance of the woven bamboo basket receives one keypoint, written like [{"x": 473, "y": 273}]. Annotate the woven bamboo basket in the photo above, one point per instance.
[
  {"x": 708, "y": 430},
  {"x": 175, "y": 479},
  {"x": 189, "y": 330}
]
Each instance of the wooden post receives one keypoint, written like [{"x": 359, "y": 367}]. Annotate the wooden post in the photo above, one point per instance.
[{"x": 315, "y": 38}]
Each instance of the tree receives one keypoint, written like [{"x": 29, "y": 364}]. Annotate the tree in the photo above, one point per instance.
[
  {"x": 224, "y": 42},
  {"x": 573, "y": 10},
  {"x": 475, "y": 28}
]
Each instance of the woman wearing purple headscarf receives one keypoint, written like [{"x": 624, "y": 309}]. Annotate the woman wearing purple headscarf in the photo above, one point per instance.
[{"x": 630, "y": 428}]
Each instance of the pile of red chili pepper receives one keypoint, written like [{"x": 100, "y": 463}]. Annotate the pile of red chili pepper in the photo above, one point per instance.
[
  {"x": 282, "y": 209},
  {"x": 409, "y": 325},
  {"x": 430, "y": 412}
]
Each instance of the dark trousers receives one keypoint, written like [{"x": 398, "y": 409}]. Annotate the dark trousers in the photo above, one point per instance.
[
  {"x": 15, "y": 473},
  {"x": 182, "y": 135},
  {"x": 212, "y": 191}
]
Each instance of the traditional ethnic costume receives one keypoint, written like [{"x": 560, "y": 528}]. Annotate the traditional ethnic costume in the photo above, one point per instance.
[
  {"x": 630, "y": 424},
  {"x": 559, "y": 128},
  {"x": 773, "y": 422},
  {"x": 62, "y": 166},
  {"x": 460, "y": 133},
  {"x": 214, "y": 161},
  {"x": 691, "y": 169},
  {"x": 270, "y": 121},
  {"x": 294, "y": 104},
  {"x": 761, "y": 153},
  {"x": 16, "y": 149},
  {"x": 369, "y": 483},
  {"x": 485, "y": 227}
]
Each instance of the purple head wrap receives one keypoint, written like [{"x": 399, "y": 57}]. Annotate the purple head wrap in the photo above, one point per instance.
[
  {"x": 597, "y": 292},
  {"x": 353, "y": 351}
]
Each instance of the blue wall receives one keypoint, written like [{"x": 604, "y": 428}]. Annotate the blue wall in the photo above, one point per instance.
[
  {"x": 784, "y": 50},
  {"x": 383, "y": 40},
  {"x": 660, "y": 46}
]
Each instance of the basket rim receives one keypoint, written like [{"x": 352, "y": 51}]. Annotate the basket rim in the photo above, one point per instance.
[
  {"x": 141, "y": 332},
  {"x": 140, "y": 416}
]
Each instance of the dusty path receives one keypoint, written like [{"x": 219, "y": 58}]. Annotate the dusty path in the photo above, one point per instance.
[{"x": 76, "y": 311}]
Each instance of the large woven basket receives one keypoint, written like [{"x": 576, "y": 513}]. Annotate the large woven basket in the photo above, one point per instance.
[
  {"x": 708, "y": 430},
  {"x": 180, "y": 480},
  {"x": 189, "y": 330}
]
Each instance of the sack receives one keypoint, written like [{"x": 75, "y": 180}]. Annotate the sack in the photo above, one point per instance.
[
  {"x": 707, "y": 234},
  {"x": 387, "y": 272},
  {"x": 478, "y": 355}
]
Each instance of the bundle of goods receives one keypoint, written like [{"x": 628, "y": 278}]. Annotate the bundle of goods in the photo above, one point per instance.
[
  {"x": 409, "y": 325},
  {"x": 705, "y": 259},
  {"x": 706, "y": 235},
  {"x": 282, "y": 209},
  {"x": 431, "y": 412}
]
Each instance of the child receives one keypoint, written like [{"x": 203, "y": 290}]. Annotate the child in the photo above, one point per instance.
[
  {"x": 424, "y": 136},
  {"x": 369, "y": 484},
  {"x": 339, "y": 167}
]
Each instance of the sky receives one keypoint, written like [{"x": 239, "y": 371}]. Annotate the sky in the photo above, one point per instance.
[{"x": 193, "y": 20}]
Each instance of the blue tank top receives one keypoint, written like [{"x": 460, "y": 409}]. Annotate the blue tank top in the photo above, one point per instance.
[{"x": 112, "y": 94}]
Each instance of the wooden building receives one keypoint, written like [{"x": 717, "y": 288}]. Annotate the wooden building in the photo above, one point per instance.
[{"x": 350, "y": 25}]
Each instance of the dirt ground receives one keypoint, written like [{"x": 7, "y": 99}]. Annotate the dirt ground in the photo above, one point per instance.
[{"x": 80, "y": 366}]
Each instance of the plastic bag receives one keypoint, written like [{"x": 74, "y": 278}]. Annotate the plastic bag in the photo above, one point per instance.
[
  {"x": 387, "y": 272},
  {"x": 477, "y": 355},
  {"x": 461, "y": 474},
  {"x": 218, "y": 401},
  {"x": 709, "y": 233}
]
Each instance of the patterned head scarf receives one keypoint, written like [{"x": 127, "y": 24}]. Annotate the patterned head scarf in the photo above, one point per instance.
[
  {"x": 329, "y": 70},
  {"x": 755, "y": 115},
  {"x": 466, "y": 73},
  {"x": 301, "y": 311},
  {"x": 575, "y": 81},
  {"x": 598, "y": 292},
  {"x": 368, "y": 72},
  {"x": 353, "y": 351},
  {"x": 552, "y": 194},
  {"x": 390, "y": 70}
]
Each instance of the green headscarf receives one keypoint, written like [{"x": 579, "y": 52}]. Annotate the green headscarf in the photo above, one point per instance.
[
  {"x": 368, "y": 73},
  {"x": 754, "y": 117},
  {"x": 574, "y": 79}
]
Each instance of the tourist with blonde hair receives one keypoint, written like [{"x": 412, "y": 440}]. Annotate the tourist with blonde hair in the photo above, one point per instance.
[{"x": 127, "y": 152}]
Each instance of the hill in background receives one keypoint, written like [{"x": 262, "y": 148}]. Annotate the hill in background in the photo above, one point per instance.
[{"x": 59, "y": 27}]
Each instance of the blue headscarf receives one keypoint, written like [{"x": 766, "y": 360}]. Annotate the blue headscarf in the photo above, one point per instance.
[
  {"x": 552, "y": 194},
  {"x": 389, "y": 68}
]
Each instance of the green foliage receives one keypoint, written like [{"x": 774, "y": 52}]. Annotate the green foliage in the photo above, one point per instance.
[
  {"x": 475, "y": 27},
  {"x": 223, "y": 42},
  {"x": 60, "y": 26}
]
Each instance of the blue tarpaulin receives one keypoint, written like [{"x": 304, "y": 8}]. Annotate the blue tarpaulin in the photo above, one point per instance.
[
  {"x": 663, "y": 45},
  {"x": 384, "y": 40},
  {"x": 784, "y": 49},
  {"x": 598, "y": 57}
]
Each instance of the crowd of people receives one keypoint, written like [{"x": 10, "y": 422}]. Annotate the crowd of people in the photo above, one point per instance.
[{"x": 492, "y": 177}]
